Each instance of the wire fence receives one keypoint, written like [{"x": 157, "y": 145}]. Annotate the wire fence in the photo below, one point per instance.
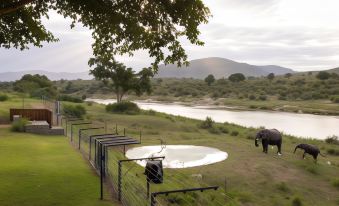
[{"x": 104, "y": 146}]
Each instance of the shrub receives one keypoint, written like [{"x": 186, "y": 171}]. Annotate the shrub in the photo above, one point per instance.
[
  {"x": 252, "y": 97},
  {"x": 282, "y": 186},
  {"x": 19, "y": 125},
  {"x": 223, "y": 129},
  {"x": 335, "y": 183},
  {"x": 3, "y": 97},
  {"x": 123, "y": 107},
  {"x": 214, "y": 130},
  {"x": 322, "y": 75},
  {"x": 335, "y": 99},
  {"x": 332, "y": 140},
  {"x": 234, "y": 133},
  {"x": 208, "y": 123},
  {"x": 333, "y": 152},
  {"x": 74, "y": 110},
  {"x": 296, "y": 202},
  {"x": 263, "y": 97},
  {"x": 70, "y": 99}
]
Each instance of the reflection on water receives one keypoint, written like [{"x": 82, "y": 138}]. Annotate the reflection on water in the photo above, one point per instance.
[
  {"x": 178, "y": 156},
  {"x": 301, "y": 125}
]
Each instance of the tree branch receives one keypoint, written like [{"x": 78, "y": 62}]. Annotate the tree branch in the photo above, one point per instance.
[{"x": 15, "y": 6}]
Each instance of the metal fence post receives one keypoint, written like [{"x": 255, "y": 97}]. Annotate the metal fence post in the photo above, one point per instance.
[{"x": 119, "y": 180}]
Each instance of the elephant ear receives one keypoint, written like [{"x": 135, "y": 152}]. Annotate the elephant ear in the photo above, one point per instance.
[{"x": 264, "y": 134}]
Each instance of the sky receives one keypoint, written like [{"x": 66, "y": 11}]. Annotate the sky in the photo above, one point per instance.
[{"x": 297, "y": 34}]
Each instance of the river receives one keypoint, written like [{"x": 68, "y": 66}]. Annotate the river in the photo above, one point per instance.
[{"x": 300, "y": 125}]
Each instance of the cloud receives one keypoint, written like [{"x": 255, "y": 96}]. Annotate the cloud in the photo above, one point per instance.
[{"x": 301, "y": 35}]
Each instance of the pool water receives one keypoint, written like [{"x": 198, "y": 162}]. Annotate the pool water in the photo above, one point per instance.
[{"x": 178, "y": 156}]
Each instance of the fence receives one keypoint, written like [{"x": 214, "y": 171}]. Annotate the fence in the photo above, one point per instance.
[
  {"x": 33, "y": 114},
  {"x": 104, "y": 146}
]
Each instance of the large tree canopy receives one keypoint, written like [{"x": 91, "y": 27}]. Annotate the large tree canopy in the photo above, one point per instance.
[
  {"x": 121, "y": 78},
  {"x": 118, "y": 26}
]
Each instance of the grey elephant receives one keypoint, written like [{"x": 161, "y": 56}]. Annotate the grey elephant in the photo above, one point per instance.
[
  {"x": 269, "y": 137},
  {"x": 309, "y": 149}
]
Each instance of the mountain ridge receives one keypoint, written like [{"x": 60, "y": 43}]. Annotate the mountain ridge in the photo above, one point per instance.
[{"x": 219, "y": 67}]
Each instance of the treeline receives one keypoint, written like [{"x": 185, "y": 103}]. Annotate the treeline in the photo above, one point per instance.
[{"x": 306, "y": 86}]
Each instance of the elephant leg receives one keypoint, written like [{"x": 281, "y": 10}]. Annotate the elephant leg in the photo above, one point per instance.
[
  {"x": 265, "y": 146},
  {"x": 279, "y": 149},
  {"x": 304, "y": 155}
]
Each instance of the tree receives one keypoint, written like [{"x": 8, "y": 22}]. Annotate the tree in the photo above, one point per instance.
[
  {"x": 322, "y": 75},
  {"x": 270, "y": 76},
  {"x": 118, "y": 27},
  {"x": 288, "y": 75},
  {"x": 36, "y": 85},
  {"x": 209, "y": 79},
  {"x": 121, "y": 78},
  {"x": 237, "y": 77}
]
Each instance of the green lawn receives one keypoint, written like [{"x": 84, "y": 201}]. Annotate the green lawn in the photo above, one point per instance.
[{"x": 45, "y": 170}]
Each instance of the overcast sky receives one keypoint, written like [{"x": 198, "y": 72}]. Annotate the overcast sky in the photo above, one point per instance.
[{"x": 298, "y": 34}]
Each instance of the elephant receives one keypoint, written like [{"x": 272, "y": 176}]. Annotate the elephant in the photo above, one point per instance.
[
  {"x": 269, "y": 137},
  {"x": 309, "y": 149}
]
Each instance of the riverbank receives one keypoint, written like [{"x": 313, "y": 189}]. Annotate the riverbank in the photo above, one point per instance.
[
  {"x": 249, "y": 173},
  {"x": 301, "y": 125}
]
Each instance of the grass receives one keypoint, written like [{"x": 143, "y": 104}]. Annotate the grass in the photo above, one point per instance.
[
  {"x": 44, "y": 170},
  {"x": 250, "y": 174}
]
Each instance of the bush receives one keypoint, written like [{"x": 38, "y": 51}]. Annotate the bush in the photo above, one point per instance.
[
  {"x": 296, "y": 202},
  {"x": 335, "y": 99},
  {"x": 332, "y": 140},
  {"x": 263, "y": 97},
  {"x": 234, "y": 133},
  {"x": 252, "y": 97},
  {"x": 207, "y": 124},
  {"x": 282, "y": 186},
  {"x": 223, "y": 129},
  {"x": 19, "y": 125},
  {"x": 74, "y": 111},
  {"x": 335, "y": 183},
  {"x": 333, "y": 152},
  {"x": 322, "y": 75},
  {"x": 70, "y": 99},
  {"x": 3, "y": 97},
  {"x": 123, "y": 107}
]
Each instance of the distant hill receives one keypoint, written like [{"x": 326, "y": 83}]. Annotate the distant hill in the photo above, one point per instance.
[
  {"x": 219, "y": 67},
  {"x": 335, "y": 70},
  {"x": 13, "y": 76}
]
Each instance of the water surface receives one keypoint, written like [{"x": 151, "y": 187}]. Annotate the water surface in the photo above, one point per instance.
[
  {"x": 178, "y": 156},
  {"x": 300, "y": 125}
]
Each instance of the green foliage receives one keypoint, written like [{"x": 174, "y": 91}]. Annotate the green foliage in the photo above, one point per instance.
[
  {"x": 335, "y": 99},
  {"x": 122, "y": 79},
  {"x": 19, "y": 125},
  {"x": 3, "y": 97},
  {"x": 322, "y": 75},
  {"x": 36, "y": 85},
  {"x": 270, "y": 76},
  {"x": 234, "y": 133},
  {"x": 288, "y": 75},
  {"x": 263, "y": 97},
  {"x": 132, "y": 26},
  {"x": 333, "y": 152},
  {"x": 123, "y": 107},
  {"x": 335, "y": 183},
  {"x": 282, "y": 186},
  {"x": 207, "y": 124},
  {"x": 73, "y": 110},
  {"x": 209, "y": 79},
  {"x": 237, "y": 77},
  {"x": 332, "y": 140},
  {"x": 296, "y": 202},
  {"x": 69, "y": 98}
]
